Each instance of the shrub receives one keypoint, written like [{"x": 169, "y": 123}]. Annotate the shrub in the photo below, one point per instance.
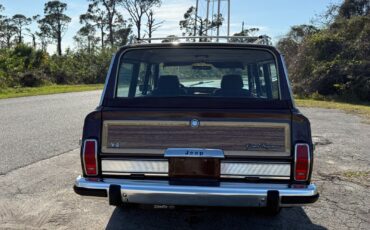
[
  {"x": 333, "y": 62},
  {"x": 33, "y": 79}
]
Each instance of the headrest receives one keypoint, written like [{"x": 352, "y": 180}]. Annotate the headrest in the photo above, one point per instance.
[
  {"x": 232, "y": 82},
  {"x": 168, "y": 82}
]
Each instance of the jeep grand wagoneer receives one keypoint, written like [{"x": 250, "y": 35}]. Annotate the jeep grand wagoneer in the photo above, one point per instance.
[{"x": 197, "y": 124}]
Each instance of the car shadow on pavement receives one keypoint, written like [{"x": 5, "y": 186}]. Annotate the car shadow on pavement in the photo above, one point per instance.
[{"x": 215, "y": 218}]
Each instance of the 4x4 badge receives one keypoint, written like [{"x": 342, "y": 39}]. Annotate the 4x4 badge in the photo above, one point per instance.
[{"x": 194, "y": 123}]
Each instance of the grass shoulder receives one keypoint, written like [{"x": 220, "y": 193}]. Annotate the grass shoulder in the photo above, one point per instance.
[
  {"x": 45, "y": 90},
  {"x": 358, "y": 108}
]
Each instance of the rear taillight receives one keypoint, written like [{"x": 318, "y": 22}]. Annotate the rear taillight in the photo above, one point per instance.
[
  {"x": 302, "y": 162},
  {"x": 89, "y": 154}
]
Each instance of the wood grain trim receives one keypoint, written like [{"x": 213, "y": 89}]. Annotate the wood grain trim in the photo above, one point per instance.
[
  {"x": 135, "y": 123},
  {"x": 106, "y": 124}
]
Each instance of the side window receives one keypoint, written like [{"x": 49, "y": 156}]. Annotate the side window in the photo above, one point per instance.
[
  {"x": 135, "y": 80},
  {"x": 274, "y": 81},
  {"x": 262, "y": 77},
  {"x": 268, "y": 80},
  {"x": 245, "y": 81},
  {"x": 263, "y": 80},
  {"x": 141, "y": 79},
  {"x": 145, "y": 83},
  {"x": 124, "y": 79}
]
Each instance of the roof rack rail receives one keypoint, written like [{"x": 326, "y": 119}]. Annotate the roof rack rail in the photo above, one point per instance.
[{"x": 261, "y": 40}]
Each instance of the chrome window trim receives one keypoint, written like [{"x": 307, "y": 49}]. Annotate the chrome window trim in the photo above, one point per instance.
[
  {"x": 96, "y": 156},
  {"x": 308, "y": 158}
]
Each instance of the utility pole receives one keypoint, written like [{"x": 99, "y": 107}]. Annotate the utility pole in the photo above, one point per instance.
[
  {"x": 196, "y": 18},
  {"x": 218, "y": 18},
  {"x": 207, "y": 18},
  {"x": 210, "y": 9},
  {"x": 228, "y": 17}
]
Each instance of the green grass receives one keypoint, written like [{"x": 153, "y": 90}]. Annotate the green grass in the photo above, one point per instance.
[
  {"x": 362, "y": 109},
  {"x": 44, "y": 90}
]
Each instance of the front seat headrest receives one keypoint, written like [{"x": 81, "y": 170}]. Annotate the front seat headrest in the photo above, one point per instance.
[
  {"x": 232, "y": 82},
  {"x": 168, "y": 83}
]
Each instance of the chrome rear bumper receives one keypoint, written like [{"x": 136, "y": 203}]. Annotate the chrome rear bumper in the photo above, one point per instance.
[{"x": 160, "y": 192}]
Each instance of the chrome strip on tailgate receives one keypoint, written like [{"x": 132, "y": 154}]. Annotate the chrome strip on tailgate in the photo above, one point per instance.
[
  {"x": 227, "y": 168},
  {"x": 135, "y": 166},
  {"x": 255, "y": 169}
]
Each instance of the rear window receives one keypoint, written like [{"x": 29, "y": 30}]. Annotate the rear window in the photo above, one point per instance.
[{"x": 203, "y": 72}]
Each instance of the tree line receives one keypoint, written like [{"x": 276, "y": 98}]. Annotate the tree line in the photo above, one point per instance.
[
  {"x": 103, "y": 29},
  {"x": 328, "y": 58},
  {"x": 102, "y": 17},
  {"x": 331, "y": 58}
]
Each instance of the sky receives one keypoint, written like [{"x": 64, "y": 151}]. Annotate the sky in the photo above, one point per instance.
[{"x": 273, "y": 17}]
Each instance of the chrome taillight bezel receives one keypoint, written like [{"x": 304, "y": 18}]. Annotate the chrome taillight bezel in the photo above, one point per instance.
[
  {"x": 308, "y": 161},
  {"x": 95, "y": 153}
]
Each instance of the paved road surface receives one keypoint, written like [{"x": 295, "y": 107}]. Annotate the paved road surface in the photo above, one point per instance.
[
  {"x": 36, "y": 128},
  {"x": 40, "y": 195}
]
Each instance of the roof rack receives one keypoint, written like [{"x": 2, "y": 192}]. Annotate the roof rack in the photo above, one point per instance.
[{"x": 261, "y": 40}]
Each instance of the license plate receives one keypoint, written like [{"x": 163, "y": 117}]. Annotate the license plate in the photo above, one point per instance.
[
  {"x": 194, "y": 168},
  {"x": 194, "y": 163}
]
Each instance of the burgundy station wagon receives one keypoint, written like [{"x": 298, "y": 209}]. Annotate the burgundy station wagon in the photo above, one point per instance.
[{"x": 198, "y": 124}]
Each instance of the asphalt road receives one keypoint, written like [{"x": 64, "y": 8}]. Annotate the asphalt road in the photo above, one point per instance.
[
  {"x": 36, "y": 128},
  {"x": 37, "y": 194}
]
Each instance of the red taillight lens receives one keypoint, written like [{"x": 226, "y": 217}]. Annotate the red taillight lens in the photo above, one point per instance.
[
  {"x": 302, "y": 162},
  {"x": 90, "y": 157}
]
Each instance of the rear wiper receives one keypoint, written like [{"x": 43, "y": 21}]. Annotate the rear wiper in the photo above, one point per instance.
[{"x": 201, "y": 83}]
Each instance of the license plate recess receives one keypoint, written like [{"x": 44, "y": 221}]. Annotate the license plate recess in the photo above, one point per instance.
[{"x": 194, "y": 163}]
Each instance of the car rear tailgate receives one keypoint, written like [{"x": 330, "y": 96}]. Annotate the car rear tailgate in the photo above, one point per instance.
[{"x": 255, "y": 143}]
